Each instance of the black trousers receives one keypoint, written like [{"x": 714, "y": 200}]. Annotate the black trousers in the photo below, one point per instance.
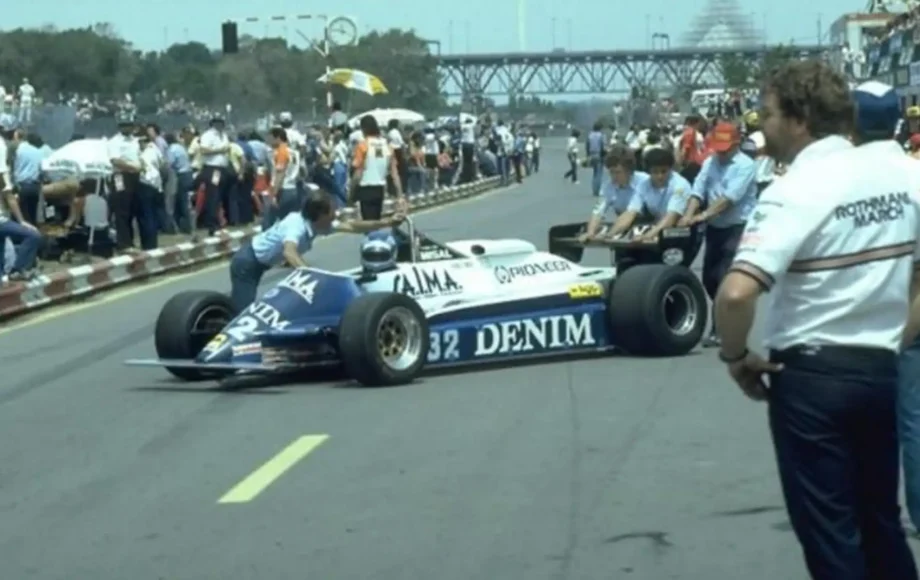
[
  {"x": 216, "y": 190},
  {"x": 832, "y": 415},
  {"x": 124, "y": 205},
  {"x": 370, "y": 200},
  {"x": 721, "y": 245}
]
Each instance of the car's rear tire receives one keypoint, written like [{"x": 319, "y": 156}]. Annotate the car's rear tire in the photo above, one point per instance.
[
  {"x": 657, "y": 310},
  {"x": 383, "y": 339},
  {"x": 187, "y": 322}
]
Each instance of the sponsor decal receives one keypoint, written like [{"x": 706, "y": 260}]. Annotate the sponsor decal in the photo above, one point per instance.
[
  {"x": 543, "y": 333},
  {"x": 216, "y": 343},
  {"x": 249, "y": 348},
  {"x": 245, "y": 326},
  {"x": 676, "y": 233},
  {"x": 434, "y": 253},
  {"x": 585, "y": 290},
  {"x": 462, "y": 264},
  {"x": 425, "y": 283},
  {"x": 507, "y": 274},
  {"x": 874, "y": 210},
  {"x": 301, "y": 282}
]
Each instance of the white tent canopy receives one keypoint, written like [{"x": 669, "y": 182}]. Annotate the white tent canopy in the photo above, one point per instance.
[
  {"x": 384, "y": 116},
  {"x": 83, "y": 159}
]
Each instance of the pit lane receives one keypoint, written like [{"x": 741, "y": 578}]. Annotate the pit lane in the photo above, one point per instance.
[{"x": 607, "y": 468}]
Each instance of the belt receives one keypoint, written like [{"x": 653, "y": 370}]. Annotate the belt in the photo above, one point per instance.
[{"x": 842, "y": 359}]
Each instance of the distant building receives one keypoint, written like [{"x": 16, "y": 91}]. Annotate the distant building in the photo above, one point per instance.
[{"x": 853, "y": 32}]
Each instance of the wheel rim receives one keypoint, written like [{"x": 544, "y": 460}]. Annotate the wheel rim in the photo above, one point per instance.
[
  {"x": 399, "y": 338},
  {"x": 211, "y": 320},
  {"x": 680, "y": 309}
]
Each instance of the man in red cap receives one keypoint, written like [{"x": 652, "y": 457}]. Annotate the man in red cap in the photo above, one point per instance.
[{"x": 726, "y": 192}]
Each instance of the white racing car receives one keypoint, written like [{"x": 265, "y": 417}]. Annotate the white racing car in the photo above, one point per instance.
[{"x": 426, "y": 304}]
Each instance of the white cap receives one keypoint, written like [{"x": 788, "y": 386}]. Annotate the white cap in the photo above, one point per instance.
[{"x": 285, "y": 117}]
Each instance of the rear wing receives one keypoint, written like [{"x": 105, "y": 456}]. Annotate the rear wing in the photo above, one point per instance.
[{"x": 564, "y": 242}]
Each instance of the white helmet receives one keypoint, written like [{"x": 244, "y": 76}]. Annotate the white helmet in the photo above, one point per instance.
[{"x": 378, "y": 251}]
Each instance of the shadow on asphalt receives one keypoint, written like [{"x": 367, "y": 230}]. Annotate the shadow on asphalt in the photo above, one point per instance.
[{"x": 333, "y": 377}]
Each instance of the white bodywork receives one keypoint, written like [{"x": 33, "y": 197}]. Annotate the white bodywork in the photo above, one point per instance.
[{"x": 491, "y": 271}]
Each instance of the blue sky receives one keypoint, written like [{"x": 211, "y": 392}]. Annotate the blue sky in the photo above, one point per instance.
[{"x": 467, "y": 26}]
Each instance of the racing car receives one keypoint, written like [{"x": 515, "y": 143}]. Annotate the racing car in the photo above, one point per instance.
[{"x": 436, "y": 305}]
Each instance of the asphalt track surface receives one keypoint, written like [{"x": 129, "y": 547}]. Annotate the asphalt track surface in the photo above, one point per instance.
[{"x": 602, "y": 469}]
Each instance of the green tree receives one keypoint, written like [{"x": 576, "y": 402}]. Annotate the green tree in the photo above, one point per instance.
[
  {"x": 739, "y": 72},
  {"x": 266, "y": 74}
]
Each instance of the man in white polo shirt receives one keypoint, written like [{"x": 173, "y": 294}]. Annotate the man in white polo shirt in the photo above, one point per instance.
[
  {"x": 288, "y": 240},
  {"x": 214, "y": 147},
  {"x": 835, "y": 243}
]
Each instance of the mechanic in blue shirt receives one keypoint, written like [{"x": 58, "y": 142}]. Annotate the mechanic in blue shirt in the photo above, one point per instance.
[
  {"x": 594, "y": 148},
  {"x": 663, "y": 196},
  {"x": 27, "y": 167},
  {"x": 181, "y": 164},
  {"x": 617, "y": 191},
  {"x": 287, "y": 240},
  {"x": 726, "y": 187}
]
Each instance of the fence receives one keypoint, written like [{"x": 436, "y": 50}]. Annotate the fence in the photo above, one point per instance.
[{"x": 57, "y": 124}]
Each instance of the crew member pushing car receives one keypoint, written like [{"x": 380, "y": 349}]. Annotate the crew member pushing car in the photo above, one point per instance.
[
  {"x": 287, "y": 240},
  {"x": 663, "y": 196},
  {"x": 618, "y": 191},
  {"x": 726, "y": 186}
]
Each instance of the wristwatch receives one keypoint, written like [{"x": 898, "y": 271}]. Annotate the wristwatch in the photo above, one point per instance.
[{"x": 733, "y": 359}]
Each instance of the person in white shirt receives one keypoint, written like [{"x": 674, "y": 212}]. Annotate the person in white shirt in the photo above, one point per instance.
[
  {"x": 26, "y": 99},
  {"x": 287, "y": 240},
  {"x": 536, "y": 152},
  {"x": 214, "y": 149},
  {"x": 468, "y": 169},
  {"x": 571, "y": 154},
  {"x": 125, "y": 156},
  {"x": 150, "y": 192},
  {"x": 431, "y": 148},
  {"x": 398, "y": 146},
  {"x": 840, "y": 266}
]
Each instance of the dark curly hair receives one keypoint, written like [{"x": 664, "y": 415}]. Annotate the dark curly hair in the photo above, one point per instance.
[
  {"x": 813, "y": 93},
  {"x": 620, "y": 156}
]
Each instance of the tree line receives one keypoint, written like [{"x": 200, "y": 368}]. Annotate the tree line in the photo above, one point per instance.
[{"x": 266, "y": 74}]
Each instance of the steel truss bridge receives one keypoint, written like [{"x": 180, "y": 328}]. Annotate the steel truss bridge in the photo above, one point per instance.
[{"x": 591, "y": 72}]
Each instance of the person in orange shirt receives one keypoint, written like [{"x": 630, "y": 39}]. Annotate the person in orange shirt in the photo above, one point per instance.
[
  {"x": 373, "y": 162},
  {"x": 281, "y": 197},
  {"x": 690, "y": 148}
]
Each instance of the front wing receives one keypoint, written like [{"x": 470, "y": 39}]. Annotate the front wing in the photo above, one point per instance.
[{"x": 255, "y": 368}]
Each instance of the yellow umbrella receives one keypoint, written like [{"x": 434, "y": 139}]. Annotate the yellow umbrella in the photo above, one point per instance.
[{"x": 354, "y": 79}]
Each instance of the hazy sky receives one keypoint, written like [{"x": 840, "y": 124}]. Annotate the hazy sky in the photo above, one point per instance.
[{"x": 466, "y": 26}]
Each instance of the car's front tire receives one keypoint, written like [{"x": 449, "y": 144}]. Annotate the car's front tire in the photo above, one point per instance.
[
  {"x": 657, "y": 310},
  {"x": 383, "y": 339},
  {"x": 187, "y": 322}
]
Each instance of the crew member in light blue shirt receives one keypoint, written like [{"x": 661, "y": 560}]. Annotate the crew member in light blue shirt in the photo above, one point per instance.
[
  {"x": 287, "y": 240},
  {"x": 594, "y": 147},
  {"x": 617, "y": 191},
  {"x": 27, "y": 168},
  {"x": 663, "y": 197},
  {"x": 726, "y": 187},
  {"x": 181, "y": 164}
]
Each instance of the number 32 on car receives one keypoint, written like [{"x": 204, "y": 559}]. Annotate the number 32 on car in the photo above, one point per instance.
[{"x": 444, "y": 346}]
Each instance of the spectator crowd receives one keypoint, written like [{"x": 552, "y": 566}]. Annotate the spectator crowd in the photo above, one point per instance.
[{"x": 209, "y": 179}]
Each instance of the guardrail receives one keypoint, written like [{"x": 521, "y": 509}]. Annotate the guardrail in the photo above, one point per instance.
[{"x": 80, "y": 281}]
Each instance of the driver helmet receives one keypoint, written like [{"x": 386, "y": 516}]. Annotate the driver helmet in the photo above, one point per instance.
[{"x": 378, "y": 251}]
